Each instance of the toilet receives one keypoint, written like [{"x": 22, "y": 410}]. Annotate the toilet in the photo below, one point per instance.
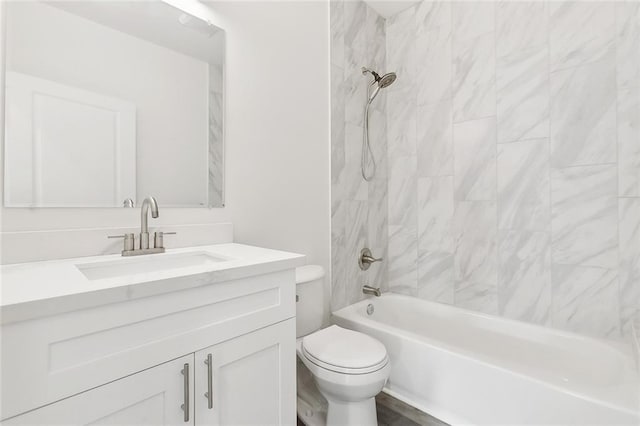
[{"x": 349, "y": 368}]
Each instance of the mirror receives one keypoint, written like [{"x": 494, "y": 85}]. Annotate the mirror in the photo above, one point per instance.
[{"x": 108, "y": 102}]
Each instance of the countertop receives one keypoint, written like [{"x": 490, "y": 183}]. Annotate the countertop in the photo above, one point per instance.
[{"x": 37, "y": 289}]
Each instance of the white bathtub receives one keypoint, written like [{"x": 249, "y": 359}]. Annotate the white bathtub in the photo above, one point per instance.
[{"x": 468, "y": 368}]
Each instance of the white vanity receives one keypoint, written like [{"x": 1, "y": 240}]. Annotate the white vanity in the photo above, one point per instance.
[{"x": 203, "y": 335}]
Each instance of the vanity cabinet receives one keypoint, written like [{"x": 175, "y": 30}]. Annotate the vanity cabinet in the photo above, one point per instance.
[
  {"x": 122, "y": 362},
  {"x": 250, "y": 379}
]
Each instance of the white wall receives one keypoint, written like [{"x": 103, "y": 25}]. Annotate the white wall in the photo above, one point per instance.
[{"x": 277, "y": 134}]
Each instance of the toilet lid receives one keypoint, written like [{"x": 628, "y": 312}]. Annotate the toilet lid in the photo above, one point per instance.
[{"x": 345, "y": 349}]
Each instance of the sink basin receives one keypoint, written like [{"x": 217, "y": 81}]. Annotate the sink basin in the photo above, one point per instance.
[{"x": 146, "y": 264}]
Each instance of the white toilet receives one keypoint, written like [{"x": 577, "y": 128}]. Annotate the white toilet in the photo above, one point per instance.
[{"x": 348, "y": 367}]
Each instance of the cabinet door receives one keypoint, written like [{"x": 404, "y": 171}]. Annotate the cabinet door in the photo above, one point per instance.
[
  {"x": 252, "y": 379},
  {"x": 150, "y": 397}
]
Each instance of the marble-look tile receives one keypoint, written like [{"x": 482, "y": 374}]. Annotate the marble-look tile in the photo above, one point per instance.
[
  {"x": 585, "y": 300},
  {"x": 583, "y": 115},
  {"x": 337, "y": 122},
  {"x": 355, "y": 187},
  {"x": 378, "y": 202},
  {"x": 403, "y": 192},
  {"x": 628, "y": 43},
  {"x": 629, "y": 142},
  {"x": 338, "y": 270},
  {"x": 481, "y": 297},
  {"x": 520, "y": 26},
  {"x": 355, "y": 84},
  {"x": 434, "y": 66},
  {"x": 474, "y": 79},
  {"x": 523, "y": 185},
  {"x": 403, "y": 260},
  {"x": 474, "y": 146},
  {"x": 524, "y": 278},
  {"x": 435, "y": 139},
  {"x": 629, "y": 235},
  {"x": 378, "y": 141},
  {"x": 401, "y": 48},
  {"x": 375, "y": 40},
  {"x": 336, "y": 19},
  {"x": 522, "y": 93},
  {"x": 475, "y": 243},
  {"x": 433, "y": 15},
  {"x": 354, "y": 18},
  {"x": 355, "y": 241},
  {"x": 401, "y": 122},
  {"x": 435, "y": 214},
  {"x": 471, "y": 19},
  {"x": 584, "y": 218},
  {"x": 580, "y": 32},
  {"x": 338, "y": 259},
  {"x": 357, "y": 39},
  {"x": 435, "y": 276}
]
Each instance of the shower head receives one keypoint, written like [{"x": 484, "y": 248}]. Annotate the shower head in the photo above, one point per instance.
[
  {"x": 380, "y": 82},
  {"x": 387, "y": 80}
]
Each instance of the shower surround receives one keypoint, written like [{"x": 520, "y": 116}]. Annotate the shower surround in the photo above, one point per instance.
[
  {"x": 358, "y": 208},
  {"x": 511, "y": 165},
  {"x": 513, "y": 200}
]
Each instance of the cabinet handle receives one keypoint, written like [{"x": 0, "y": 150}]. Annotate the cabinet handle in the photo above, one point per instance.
[
  {"x": 185, "y": 406},
  {"x": 209, "y": 393}
]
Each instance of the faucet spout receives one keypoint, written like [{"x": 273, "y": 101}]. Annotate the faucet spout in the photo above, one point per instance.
[
  {"x": 367, "y": 289},
  {"x": 144, "y": 224}
]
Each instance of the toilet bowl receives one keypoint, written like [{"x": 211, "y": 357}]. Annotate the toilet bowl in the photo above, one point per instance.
[{"x": 349, "y": 368}]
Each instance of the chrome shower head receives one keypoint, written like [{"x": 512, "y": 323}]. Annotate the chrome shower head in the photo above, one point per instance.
[
  {"x": 387, "y": 80},
  {"x": 380, "y": 82}
]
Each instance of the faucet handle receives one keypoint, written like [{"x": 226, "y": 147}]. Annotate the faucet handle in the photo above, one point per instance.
[
  {"x": 158, "y": 238},
  {"x": 366, "y": 259},
  {"x": 129, "y": 240}
]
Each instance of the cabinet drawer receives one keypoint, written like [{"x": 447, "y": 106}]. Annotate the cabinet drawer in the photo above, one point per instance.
[{"x": 76, "y": 351}]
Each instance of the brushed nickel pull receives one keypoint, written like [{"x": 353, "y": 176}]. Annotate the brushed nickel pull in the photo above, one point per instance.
[
  {"x": 185, "y": 406},
  {"x": 209, "y": 393}
]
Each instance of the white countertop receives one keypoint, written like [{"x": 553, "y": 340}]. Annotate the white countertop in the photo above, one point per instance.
[{"x": 36, "y": 289}]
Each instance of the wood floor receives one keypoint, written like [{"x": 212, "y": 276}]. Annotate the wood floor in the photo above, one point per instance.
[{"x": 392, "y": 412}]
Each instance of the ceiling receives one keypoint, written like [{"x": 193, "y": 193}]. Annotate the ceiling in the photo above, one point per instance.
[{"x": 387, "y": 8}]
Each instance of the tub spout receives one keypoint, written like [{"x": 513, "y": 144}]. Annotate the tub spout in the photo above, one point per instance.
[{"x": 371, "y": 290}]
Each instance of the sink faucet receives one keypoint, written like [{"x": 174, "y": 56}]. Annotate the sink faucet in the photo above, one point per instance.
[
  {"x": 158, "y": 237},
  {"x": 144, "y": 228}
]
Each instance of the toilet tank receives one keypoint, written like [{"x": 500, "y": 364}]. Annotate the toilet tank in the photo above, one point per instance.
[{"x": 310, "y": 294}]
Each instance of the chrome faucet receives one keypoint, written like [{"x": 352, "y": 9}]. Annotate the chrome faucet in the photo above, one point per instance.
[
  {"x": 367, "y": 289},
  {"x": 130, "y": 248},
  {"x": 366, "y": 259},
  {"x": 144, "y": 228}
]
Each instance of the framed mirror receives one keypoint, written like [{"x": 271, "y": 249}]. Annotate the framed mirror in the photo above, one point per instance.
[{"x": 108, "y": 102}]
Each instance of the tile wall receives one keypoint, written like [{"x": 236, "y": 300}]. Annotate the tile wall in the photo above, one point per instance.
[
  {"x": 513, "y": 160},
  {"x": 358, "y": 208}
]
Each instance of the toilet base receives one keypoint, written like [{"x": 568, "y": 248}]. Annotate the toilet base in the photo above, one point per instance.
[{"x": 362, "y": 413}]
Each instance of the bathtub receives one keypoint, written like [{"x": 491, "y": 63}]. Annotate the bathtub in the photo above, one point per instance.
[{"x": 467, "y": 368}]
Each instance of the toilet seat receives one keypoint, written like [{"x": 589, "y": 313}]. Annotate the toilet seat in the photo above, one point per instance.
[{"x": 344, "y": 351}]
